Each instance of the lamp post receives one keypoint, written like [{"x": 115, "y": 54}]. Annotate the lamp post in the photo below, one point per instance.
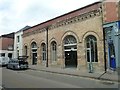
[{"x": 47, "y": 47}]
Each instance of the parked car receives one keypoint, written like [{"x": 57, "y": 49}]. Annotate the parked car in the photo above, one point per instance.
[
  {"x": 22, "y": 58},
  {"x": 17, "y": 64},
  {"x": 4, "y": 61}
]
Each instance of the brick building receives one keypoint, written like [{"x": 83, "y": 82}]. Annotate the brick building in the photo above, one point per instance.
[
  {"x": 6, "y": 45},
  {"x": 111, "y": 26},
  {"x": 71, "y": 40}
]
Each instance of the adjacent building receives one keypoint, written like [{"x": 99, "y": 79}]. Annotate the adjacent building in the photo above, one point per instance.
[
  {"x": 18, "y": 42},
  {"x": 111, "y": 29},
  {"x": 6, "y": 45},
  {"x": 74, "y": 39}
]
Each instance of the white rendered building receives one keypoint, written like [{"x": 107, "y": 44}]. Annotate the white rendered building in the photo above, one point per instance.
[{"x": 18, "y": 42}]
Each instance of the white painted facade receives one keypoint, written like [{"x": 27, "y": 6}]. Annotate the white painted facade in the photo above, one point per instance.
[{"x": 18, "y": 44}]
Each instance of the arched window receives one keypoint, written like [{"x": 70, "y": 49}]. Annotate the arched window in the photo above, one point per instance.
[
  {"x": 43, "y": 51},
  {"x": 70, "y": 40},
  {"x": 91, "y": 47},
  {"x": 34, "y": 45},
  {"x": 53, "y": 51},
  {"x": 70, "y": 43},
  {"x": 26, "y": 50}
]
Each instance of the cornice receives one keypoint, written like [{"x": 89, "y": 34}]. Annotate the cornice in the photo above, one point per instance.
[
  {"x": 67, "y": 21},
  {"x": 79, "y": 18}
]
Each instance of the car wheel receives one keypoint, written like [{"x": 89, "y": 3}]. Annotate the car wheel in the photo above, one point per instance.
[
  {"x": 7, "y": 67},
  {"x": 13, "y": 67}
]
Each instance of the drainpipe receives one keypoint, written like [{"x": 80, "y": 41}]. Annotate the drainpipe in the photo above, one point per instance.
[
  {"x": 105, "y": 64},
  {"x": 104, "y": 45},
  {"x": 47, "y": 47}
]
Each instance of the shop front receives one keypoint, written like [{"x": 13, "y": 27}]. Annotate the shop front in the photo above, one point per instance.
[{"x": 112, "y": 40}]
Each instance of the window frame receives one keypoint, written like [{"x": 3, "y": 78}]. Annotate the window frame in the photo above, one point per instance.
[
  {"x": 91, "y": 49},
  {"x": 53, "y": 51}
]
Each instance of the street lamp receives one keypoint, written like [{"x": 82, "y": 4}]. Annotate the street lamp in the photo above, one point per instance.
[{"x": 47, "y": 46}]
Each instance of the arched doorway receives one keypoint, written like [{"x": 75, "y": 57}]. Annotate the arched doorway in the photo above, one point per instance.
[
  {"x": 70, "y": 51},
  {"x": 34, "y": 53}
]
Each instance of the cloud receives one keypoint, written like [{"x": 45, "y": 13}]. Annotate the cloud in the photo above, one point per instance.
[{"x": 15, "y": 14}]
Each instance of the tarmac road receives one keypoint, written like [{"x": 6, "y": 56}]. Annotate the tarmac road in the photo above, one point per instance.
[{"x": 39, "y": 79}]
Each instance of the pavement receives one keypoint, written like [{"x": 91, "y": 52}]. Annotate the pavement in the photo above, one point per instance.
[{"x": 100, "y": 75}]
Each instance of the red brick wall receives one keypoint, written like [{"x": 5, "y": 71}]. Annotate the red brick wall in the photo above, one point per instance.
[
  {"x": 5, "y": 42},
  {"x": 110, "y": 11}
]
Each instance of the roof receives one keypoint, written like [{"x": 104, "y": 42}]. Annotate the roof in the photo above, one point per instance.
[
  {"x": 10, "y": 35},
  {"x": 26, "y": 27},
  {"x": 23, "y": 29},
  {"x": 68, "y": 15}
]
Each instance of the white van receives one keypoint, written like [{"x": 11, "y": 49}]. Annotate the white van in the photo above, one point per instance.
[{"x": 4, "y": 61}]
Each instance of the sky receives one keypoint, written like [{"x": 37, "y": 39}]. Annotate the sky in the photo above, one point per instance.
[{"x": 16, "y": 14}]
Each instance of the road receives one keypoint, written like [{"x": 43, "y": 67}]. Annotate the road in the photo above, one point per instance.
[{"x": 39, "y": 79}]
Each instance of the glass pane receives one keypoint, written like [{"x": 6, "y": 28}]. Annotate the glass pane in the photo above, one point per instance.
[
  {"x": 53, "y": 51},
  {"x": 70, "y": 40},
  {"x": 3, "y": 54},
  {"x": 34, "y": 45},
  {"x": 88, "y": 45},
  {"x": 43, "y": 46},
  {"x": 92, "y": 51},
  {"x": 96, "y": 56},
  {"x": 91, "y": 43},
  {"x": 88, "y": 56}
]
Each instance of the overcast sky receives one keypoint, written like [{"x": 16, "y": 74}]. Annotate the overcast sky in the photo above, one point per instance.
[{"x": 16, "y": 14}]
